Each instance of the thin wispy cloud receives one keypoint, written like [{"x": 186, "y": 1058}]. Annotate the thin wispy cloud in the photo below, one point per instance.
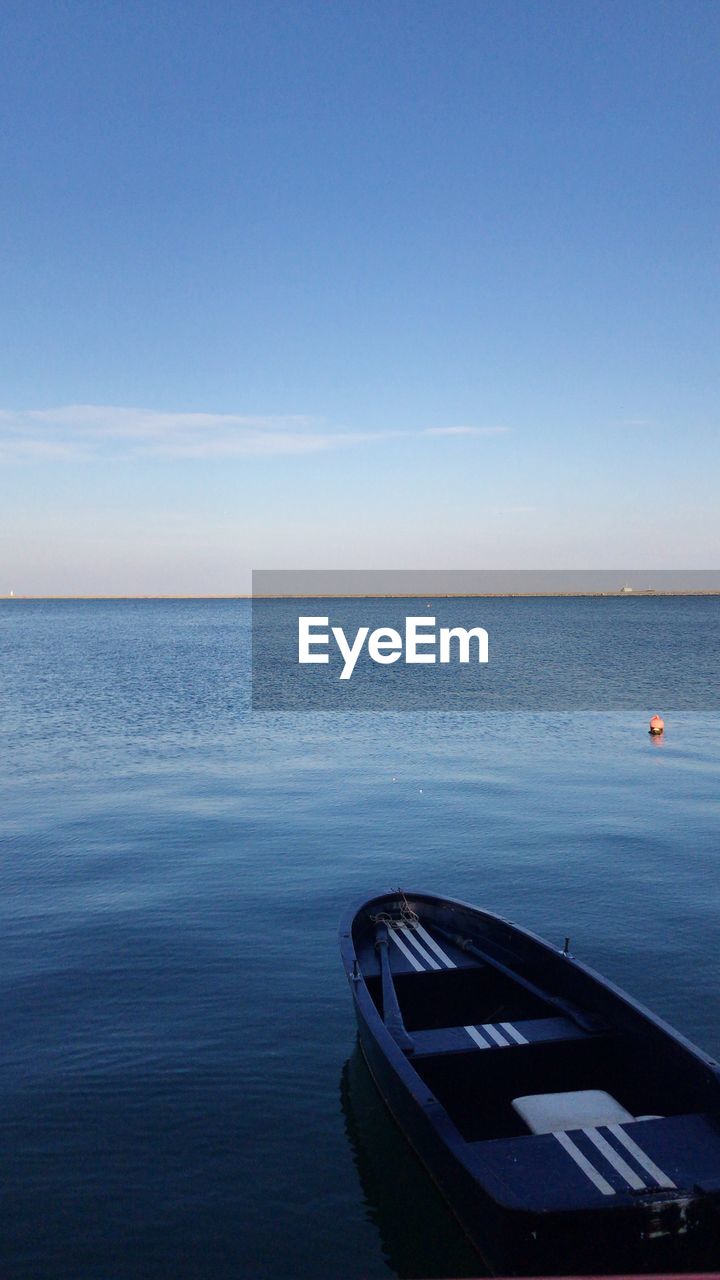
[
  {"x": 517, "y": 509},
  {"x": 83, "y": 432},
  {"x": 465, "y": 431}
]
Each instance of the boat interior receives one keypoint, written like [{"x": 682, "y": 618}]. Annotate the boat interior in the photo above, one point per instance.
[{"x": 483, "y": 1037}]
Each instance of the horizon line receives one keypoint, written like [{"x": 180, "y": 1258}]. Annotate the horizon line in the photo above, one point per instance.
[{"x": 384, "y": 595}]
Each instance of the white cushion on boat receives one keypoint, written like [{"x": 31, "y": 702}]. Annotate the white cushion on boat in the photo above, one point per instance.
[{"x": 578, "y": 1109}]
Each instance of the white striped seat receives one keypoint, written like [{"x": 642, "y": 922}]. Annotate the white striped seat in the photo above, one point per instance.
[
  {"x": 495, "y": 1035},
  {"x": 612, "y": 1160}
]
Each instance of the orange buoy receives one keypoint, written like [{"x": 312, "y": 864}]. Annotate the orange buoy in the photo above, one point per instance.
[{"x": 657, "y": 724}]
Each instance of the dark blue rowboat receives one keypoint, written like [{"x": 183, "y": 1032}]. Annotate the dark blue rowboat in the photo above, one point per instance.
[{"x": 570, "y": 1130}]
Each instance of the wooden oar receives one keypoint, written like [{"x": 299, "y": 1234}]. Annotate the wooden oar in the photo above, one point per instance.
[
  {"x": 586, "y": 1021},
  {"x": 392, "y": 1016}
]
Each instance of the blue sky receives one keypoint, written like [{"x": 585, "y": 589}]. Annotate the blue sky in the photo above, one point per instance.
[{"x": 425, "y": 285}]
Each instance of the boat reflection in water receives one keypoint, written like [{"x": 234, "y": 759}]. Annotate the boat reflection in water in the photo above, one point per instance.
[{"x": 418, "y": 1233}]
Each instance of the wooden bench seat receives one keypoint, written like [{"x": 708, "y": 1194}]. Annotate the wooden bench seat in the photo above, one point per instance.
[{"x": 495, "y": 1035}]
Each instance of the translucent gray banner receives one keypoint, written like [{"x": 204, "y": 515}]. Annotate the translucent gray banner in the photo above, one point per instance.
[{"x": 600, "y": 640}]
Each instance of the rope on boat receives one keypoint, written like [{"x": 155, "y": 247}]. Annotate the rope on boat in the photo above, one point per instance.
[{"x": 407, "y": 915}]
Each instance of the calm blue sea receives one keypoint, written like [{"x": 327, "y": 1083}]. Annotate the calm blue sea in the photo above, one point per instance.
[{"x": 180, "y": 1094}]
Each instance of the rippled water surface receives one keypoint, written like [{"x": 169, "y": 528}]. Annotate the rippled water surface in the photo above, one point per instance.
[{"x": 179, "y": 1090}]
